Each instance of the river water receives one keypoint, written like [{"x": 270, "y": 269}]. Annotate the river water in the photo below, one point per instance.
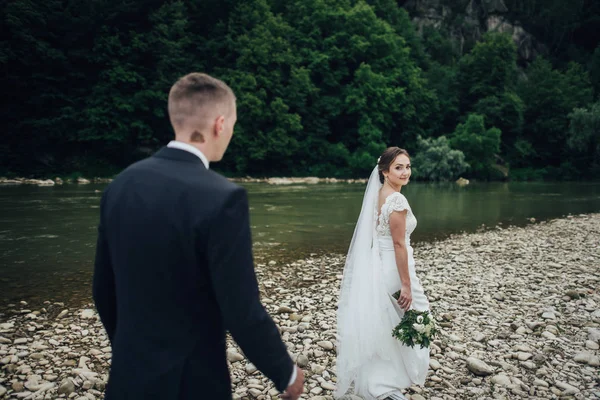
[{"x": 47, "y": 234}]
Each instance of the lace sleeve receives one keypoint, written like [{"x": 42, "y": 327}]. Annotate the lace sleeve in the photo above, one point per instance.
[{"x": 396, "y": 202}]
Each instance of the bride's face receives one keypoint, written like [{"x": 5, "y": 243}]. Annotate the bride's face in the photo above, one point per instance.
[{"x": 399, "y": 171}]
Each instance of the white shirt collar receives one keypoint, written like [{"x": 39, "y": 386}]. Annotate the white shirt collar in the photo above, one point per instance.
[{"x": 174, "y": 144}]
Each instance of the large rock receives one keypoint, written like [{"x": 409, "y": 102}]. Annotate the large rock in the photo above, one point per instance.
[{"x": 462, "y": 182}]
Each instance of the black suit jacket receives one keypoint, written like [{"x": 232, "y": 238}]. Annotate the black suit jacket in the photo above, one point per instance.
[{"x": 174, "y": 271}]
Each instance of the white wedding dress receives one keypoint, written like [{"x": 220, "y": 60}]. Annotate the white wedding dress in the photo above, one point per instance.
[
  {"x": 369, "y": 358},
  {"x": 408, "y": 366}
]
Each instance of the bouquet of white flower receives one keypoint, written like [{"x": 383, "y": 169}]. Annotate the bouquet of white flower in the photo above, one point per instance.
[{"x": 416, "y": 327}]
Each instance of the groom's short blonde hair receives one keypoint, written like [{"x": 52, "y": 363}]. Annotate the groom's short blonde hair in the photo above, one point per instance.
[{"x": 199, "y": 97}]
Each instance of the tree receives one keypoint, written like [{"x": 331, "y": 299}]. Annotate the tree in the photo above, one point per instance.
[
  {"x": 322, "y": 86},
  {"x": 488, "y": 82},
  {"x": 489, "y": 69},
  {"x": 549, "y": 96},
  {"x": 584, "y": 137},
  {"x": 504, "y": 111},
  {"x": 479, "y": 145},
  {"x": 595, "y": 71},
  {"x": 437, "y": 161}
]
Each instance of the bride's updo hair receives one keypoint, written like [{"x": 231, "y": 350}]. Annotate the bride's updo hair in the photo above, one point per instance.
[{"x": 387, "y": 158}]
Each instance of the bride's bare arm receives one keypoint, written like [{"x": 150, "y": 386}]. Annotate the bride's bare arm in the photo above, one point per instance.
[{"x": 398, "y": 231}]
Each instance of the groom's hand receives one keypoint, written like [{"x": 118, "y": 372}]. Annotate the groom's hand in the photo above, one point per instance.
[{"x": 294, "y": 391}]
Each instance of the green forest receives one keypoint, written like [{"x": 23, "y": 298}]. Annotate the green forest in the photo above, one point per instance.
[{"x": 322, "y": 86}]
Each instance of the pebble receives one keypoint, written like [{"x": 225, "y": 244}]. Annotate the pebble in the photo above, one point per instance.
[
  {"x": 524, "y": 356},
  {"x": 88, "y": 313},
  {"x": 480, "y": 337},
  {"x": 250, "y": 369},
  {"x": 529, "y": 365},
  {"x": 539, "y": 382},
  {"x": 479, "y": 367},
  {"x": 66, "y": 387},
  {"x": 594, "y": 334},
  {"x": 583, "y": 357},
  {"x": 502, "y": 380},
  {"x": 327, "y": 345},
  {"x": 233, "y": 355},
  {"x": 590, "y": 344},
  {"x": 567, "y": 389},
  {"x": 302, "y": 361},
  {"x": 18, "y": 386},
  {"x": 548, "y": 335}
]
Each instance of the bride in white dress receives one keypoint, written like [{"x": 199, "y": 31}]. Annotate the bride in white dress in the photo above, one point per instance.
[{"x": 379, "y": 263}]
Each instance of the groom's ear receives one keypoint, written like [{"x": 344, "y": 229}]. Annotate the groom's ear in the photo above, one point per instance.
[{"x": 218, "y": 125}]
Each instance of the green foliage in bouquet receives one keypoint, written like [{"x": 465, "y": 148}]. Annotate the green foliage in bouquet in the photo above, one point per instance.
[{"x": 416, "y": 328}]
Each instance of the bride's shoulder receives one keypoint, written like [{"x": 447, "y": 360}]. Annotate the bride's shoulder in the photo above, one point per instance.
[
  {"x": 397, "y": 202},
  {"x": 385, "y": 195},
  {"x": 394, "y": 197}
]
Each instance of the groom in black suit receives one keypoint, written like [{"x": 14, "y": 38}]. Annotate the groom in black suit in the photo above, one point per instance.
[{"x": 174, "y": 267}]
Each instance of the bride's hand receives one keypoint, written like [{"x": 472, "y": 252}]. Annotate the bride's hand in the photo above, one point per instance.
[{"x": 405, "y": 299}]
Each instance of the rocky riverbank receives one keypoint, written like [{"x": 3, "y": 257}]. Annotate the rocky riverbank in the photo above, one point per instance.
[
  {"x": 519, "y": 310},
  {"x": 270, "y": 181},
  {"x": 51, "y": 182}
]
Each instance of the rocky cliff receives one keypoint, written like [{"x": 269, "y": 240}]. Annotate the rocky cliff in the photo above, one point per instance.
[{"x": 467, "y": 20}]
